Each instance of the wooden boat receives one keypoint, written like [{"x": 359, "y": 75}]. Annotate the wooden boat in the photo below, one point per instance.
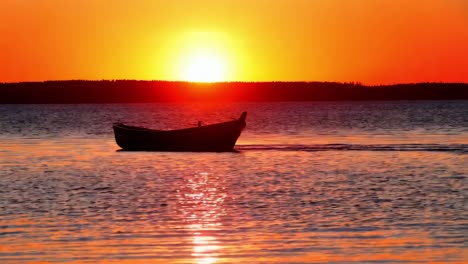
[{"x": 218, "y": 137}]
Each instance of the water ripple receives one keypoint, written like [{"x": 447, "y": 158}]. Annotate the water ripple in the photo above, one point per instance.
[{"x": 458, "y": 148}]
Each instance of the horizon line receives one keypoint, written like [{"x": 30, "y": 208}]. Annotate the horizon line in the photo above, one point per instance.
[{"x": 228, "y": 82}]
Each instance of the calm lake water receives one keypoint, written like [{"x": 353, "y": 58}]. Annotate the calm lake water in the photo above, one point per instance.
[{"x": 359, "y": 182}]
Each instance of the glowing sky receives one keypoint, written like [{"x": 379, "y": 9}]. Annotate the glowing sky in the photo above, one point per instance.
[{"x": 372, "y": 41}]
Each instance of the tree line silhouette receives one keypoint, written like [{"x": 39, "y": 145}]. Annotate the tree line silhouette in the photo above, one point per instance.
[{"x": 134, "y": 91}]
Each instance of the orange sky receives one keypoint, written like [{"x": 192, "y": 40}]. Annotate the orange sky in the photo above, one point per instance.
[{"x": 372, "y": 41}]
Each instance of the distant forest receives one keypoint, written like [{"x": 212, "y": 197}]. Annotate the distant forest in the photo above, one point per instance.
[{"x": 132, "y": 91}]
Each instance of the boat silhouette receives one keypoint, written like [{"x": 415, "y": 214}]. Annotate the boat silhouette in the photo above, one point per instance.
[{"x": 219, "y": 137}]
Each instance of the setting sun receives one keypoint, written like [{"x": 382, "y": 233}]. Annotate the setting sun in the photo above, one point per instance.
[
  {"x": 201, "y": 57},
  {"x": 204, "y": 68}
]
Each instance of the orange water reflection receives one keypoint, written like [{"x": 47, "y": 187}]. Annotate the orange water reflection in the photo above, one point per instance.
[
  {"x": 196, "y": 220},
  {"x": 201, "y": 205}
]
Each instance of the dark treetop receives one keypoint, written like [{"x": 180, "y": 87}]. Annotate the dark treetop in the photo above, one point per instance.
[{"x": 132, "y": 91}]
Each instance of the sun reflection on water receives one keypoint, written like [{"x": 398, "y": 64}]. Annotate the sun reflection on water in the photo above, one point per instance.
[
  {"x": 205, "y": 249},
  {"x": 201, "y": 205}
]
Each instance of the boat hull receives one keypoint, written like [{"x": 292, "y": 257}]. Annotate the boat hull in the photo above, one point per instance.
[{"x": 219, "y": 137}]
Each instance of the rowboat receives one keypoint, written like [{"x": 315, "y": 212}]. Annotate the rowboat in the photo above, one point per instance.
[{"x": 220, "y": 137}]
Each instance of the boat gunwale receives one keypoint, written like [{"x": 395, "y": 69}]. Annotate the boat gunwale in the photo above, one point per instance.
[{"x": 121, "y": 125}]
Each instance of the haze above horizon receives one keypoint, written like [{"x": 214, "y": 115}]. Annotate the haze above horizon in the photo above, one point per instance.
[{"x": 373, "y": 42}]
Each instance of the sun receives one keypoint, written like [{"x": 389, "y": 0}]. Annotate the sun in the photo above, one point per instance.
[
  {"x": 204, "y": 67},
  {"x": 201, "y": 57}
]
